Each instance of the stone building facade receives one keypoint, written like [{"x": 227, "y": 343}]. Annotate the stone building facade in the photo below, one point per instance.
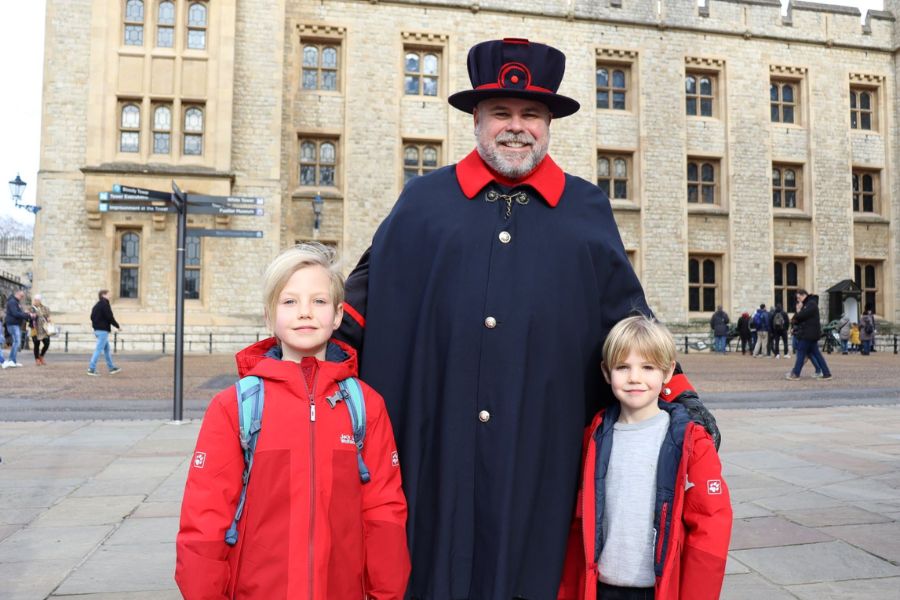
[{"x": 747, "y": 152}]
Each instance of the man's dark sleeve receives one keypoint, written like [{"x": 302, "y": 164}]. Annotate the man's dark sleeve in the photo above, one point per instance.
[
  {"x": 679, "y": 389},
  {"x": 356, "y": 291},
  {"x": 16, "y": 311}
]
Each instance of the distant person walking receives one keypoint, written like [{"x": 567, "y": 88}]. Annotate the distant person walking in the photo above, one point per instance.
[
  {"x": 40, "y": 336},
  {"x": 867, "y": 330},
  {"x": 102, "y": 320},
  {"x": 719, "y": 324},
  {"x": 15, "y": 319},
  {"x": 761, "y": 320},
  {"x": 809, "y": 330}
]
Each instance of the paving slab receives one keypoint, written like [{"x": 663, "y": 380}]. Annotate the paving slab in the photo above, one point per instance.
[
  {"x": 151, "y": 466},
  {"x": 157, "y": 509},
  {"x": 33, "y": 580},
  {"x": 154, "y": 595},
  {"x": 88, "y": 511},
  {"x": 760, "y": 460},
  {"x": 834, "y": 515},
  {"x": 124, "y": 568},
  {"x": 869, "y": 589},
  {"x": 865, "y": 489},
  {"x": 797, "y": 500},
  {"x": 750, "y": 586},
  {"x": 746, "y": 510},
  {"x": 882, "y": 540},
  {"x": 156, "y": 530},
  {"x": 812, "y": 477},
  {"x": 764, "y": 532},
  {"x": 130, "y": 486},
  {"x": 814, "y": 563},
  {"x": 733, "y": 566},
  {"x": 34, "y": 497},
  {"x": 52, "y": 543}
]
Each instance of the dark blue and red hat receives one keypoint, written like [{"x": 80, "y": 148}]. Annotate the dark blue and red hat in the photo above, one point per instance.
[{"x": 515, "y": 68}]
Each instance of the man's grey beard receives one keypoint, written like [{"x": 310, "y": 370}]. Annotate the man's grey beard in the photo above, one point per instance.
[{"x": 493, "y": 156}]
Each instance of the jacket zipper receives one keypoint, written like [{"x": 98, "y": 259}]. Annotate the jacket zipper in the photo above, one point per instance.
[
  {"x": 661, "y": 538},
  {"x": 312, "y": 479}
]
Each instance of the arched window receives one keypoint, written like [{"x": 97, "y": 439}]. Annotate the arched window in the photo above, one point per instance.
[
  {"x": 612, "y": 175},
  {"x": 197, "y": 25},
  {"x": 129, "y": 264},
  {"x": 865, "y": 191},
  {"x": 193, "y": 131},
  {"x": 134, "y": 23},
  {"x": 165, "y": 24},
  {"x": 788, "y": 275},
  {"x": 783, "y": 101},
  {"x": 419, "y": 159},
  {"x": 702, "y": 283},
  {"x": 867, "y": 275},
  {"x": 785, "y": 186},
  {"x": 192, "y": 265},
  {"x": 612, "y": 84},
  {"x": 699, "y": 89},
  {"x": 318, "y": 162},
  {"x": 162, "y": 130},
  {"x": 702, "y": 181},
  {"x": 421, "y": 73},
  {"x": 862, "y": 108},
  {"x": 130, "y": 129},
  {"x": 320, "y": 67}
]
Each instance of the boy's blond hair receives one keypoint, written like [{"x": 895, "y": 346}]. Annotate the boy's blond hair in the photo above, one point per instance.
[
  {"x": 643, "y": 335},
  {"x": 291, "y": 260}
]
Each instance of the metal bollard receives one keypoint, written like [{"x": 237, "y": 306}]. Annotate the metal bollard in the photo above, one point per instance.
[
  {"x": 116, "y": 342},
  {"x": 895, "y": 343},
  {"x": 685, "y": 344},
  {"x": 210, "y": 343},
  {"x": 67, "y": 342},
  {"x": 164, "y": 342}
]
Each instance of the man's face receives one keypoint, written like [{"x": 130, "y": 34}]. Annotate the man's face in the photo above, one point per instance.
[
  {"x": 801, "y": 298},
  {"x": 512, "y": 134},
  {"x": 19, "y": 295}
]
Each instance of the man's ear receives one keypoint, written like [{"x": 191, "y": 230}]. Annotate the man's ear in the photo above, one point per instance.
[{"x": 604, "y": 368}]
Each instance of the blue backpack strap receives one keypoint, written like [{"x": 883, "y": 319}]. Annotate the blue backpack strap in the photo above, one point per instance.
[
  {"x": 352, "y": 394},
  {"x": 250, "y": 399}
]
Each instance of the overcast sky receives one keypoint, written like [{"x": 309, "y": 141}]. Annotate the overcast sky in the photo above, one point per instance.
[{"x": 22, "y": 50}]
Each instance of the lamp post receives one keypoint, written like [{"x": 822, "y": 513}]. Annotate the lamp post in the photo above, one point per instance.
[
  {"x": 317, "y": 204},
  {"x": 16, "y": 189}
]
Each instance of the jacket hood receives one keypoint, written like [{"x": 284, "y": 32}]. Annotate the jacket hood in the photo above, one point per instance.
[{"x": 263, "y": 359}]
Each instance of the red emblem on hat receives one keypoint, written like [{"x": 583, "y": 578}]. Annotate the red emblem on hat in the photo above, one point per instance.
[{"x": 514, "y": 75}]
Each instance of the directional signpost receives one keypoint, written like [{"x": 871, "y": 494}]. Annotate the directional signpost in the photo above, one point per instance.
[{"x": 125, "y": 198}]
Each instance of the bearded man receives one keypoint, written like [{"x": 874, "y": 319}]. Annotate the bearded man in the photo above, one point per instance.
[{"x": 480, "y": 312}]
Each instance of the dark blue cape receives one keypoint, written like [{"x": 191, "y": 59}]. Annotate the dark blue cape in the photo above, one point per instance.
[{"x": 490, "y": 502}]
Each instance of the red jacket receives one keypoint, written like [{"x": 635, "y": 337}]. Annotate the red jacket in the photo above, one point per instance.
[
  {"x": 310, "y": 529},
  {"x": 693, "y": 525}
]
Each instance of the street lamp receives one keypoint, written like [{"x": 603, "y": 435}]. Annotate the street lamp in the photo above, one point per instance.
[
  {"x": 317, "y": 204},
  {"x": 16, "y": 189}
]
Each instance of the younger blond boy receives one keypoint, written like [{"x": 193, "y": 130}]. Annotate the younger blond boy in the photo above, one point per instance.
[
  {"x": 309, "y": 528},
  {"x": 655, "y": 509}
]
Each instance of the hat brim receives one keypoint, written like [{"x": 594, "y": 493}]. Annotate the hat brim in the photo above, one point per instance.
[{"x": 560, "y": 106}]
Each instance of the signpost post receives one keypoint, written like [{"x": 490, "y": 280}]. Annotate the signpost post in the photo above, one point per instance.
[{"x": 124, "y": 198}]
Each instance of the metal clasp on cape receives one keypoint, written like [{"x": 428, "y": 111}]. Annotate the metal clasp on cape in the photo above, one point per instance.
[{"x": 519, "y": 197}]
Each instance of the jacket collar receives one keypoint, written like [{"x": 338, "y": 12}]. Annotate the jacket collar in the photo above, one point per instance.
[
  {"x": 547, "y": 179},
  {"x": 263, "y": 359}
]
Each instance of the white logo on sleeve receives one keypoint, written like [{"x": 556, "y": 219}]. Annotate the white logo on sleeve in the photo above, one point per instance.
[
  {"x": 347, "y": 439},
  {"x": 395, "y": 459},
  {"x": 199, "y": 460},
  {"x": 714, "y": 487}
]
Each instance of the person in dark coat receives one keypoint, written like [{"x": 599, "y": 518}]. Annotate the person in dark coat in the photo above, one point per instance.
[
  {"x": 867, "y": 330},
  {"x": 743, "y": 328},
  {"x": 780, "y": 325},
  {"x": 718, "y": 322},
  {"x": 102, "y": 320},
  {"x": 14, "y": 321},
  {"x": 809, "y": 329},
  {"x": 480, "y": 312}
]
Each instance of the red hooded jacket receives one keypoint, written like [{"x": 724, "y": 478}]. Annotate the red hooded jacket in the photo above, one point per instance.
[
  {"x": 310, "y": 529},
  {"x": 693, "y": 521}
]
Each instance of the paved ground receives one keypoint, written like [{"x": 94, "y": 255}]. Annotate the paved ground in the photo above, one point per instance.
[{"x": 88, "y": 507}]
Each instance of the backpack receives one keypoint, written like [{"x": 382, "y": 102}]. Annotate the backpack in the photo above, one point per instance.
[
  {"x": 756, "y": 320},
  {"x": 251, "y": 398},
  {"x": 778, "y": 322},
  {"x": 869, "y": 327}
]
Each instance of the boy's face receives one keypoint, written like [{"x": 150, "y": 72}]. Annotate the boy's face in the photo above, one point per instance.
[
  {"x": 636, "y": 384},
  {"x": 305, "y": 315}
]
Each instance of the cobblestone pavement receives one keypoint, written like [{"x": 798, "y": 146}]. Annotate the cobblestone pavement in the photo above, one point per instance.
[{"x": 89, "y": 507}]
